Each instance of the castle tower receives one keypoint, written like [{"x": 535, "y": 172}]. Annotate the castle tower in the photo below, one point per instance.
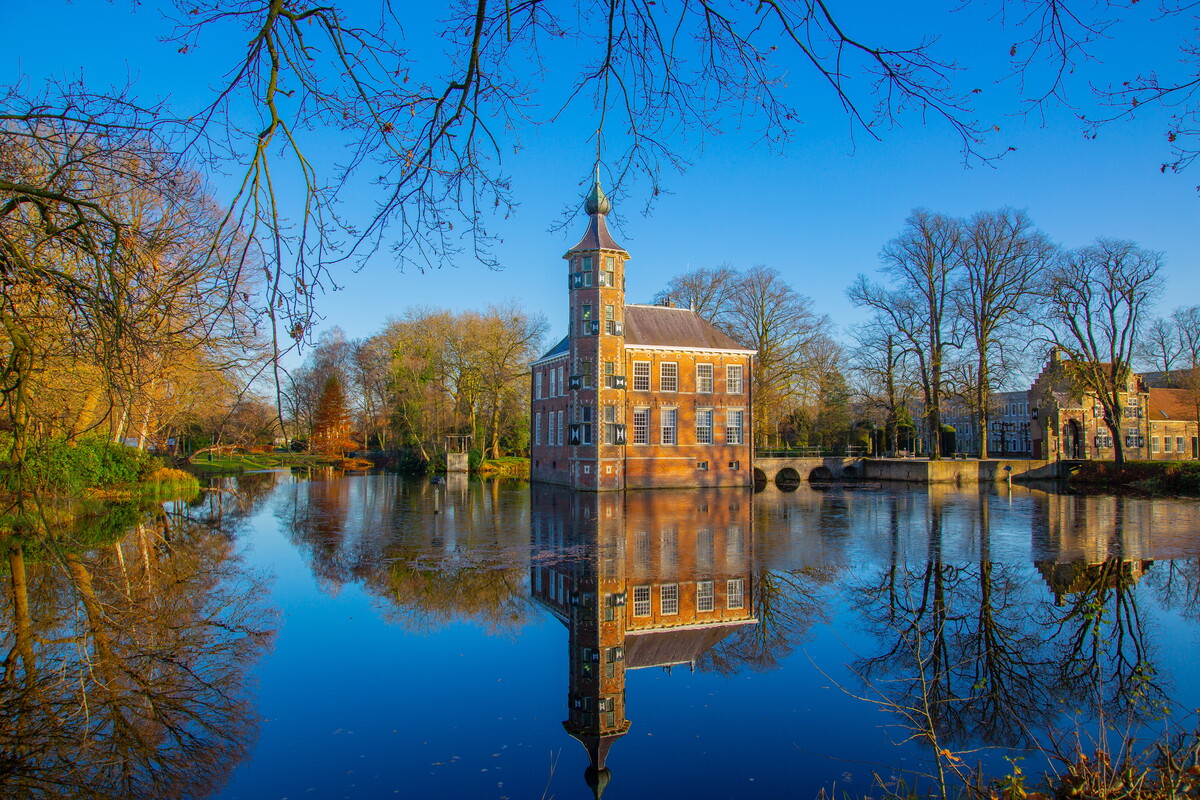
[
  {"x": 596, "y": 621},
  {"x": 596, "y": 337}
]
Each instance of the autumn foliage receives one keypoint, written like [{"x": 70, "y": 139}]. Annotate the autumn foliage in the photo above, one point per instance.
[{"x": 331, "y": 420}]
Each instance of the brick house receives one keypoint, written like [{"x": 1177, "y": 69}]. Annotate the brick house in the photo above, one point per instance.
[
  {"x": 1172, "y": 417},
  {"x": 636, "y": 396},
  {"x": 1068, "y": 420}
]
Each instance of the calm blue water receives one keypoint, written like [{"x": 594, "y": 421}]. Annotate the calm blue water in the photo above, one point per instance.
[{"x": 430, "y": 641}]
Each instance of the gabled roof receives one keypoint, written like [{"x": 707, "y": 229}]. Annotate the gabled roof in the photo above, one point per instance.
[
  {"x": 559, "y": 349},
  {"x": 596, "y": 237},
  {"x": 663, "y": 326},
  {"x": 1177, "y": 404}
]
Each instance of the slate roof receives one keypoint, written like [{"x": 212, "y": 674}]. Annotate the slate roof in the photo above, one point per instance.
[
  {"x": 559, "y": 349},
  {"x": 1177, "y": 404},
  {"x": 665, "y": 646},
  {"x": 1169, "y": 380},
  {"x": 597, "y": 237},
  {"x": 662, "y": 326}
]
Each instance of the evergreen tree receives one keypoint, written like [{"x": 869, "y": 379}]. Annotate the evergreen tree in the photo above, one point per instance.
[{"x": 331, "y": 420}]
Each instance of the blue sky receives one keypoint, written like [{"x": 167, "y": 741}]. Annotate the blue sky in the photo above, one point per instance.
[{"x": 819, "y": 211}]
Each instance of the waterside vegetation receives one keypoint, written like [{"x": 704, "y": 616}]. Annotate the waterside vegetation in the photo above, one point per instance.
[{"x": 1148, "y": 477}]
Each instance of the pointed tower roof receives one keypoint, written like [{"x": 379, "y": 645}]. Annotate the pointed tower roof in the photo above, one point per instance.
[{"x": 597, "y": 205}]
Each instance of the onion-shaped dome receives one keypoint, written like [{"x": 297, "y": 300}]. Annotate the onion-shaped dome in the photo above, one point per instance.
[{"x": 597, "y": 202}]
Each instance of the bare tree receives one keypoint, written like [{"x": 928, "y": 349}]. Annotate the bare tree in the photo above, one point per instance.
[
  {"x": 924, "y": 266},
  {"x": 1187, "y": 326},
  {"x": 773, "y": 318},
  {"x": 1160, "y": 347},
  {"x": 1096, "y": 299},
  {"x": 710, "y": 292},
  {"x": 881, "y": 364},
  {"x": 1003, "y": 257}
]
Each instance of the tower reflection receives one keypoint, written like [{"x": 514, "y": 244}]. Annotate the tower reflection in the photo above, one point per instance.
[{"x": 641, "y": 579}]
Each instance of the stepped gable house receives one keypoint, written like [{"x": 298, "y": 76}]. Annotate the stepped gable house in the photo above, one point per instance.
[
  {"x": 1068, "y": 420},
  {"x": 636, "y": 396}
]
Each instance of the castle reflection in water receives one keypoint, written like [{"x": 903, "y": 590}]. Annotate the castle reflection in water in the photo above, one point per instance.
[
  {"x": 654, "y": 579},
  {"x": 658, "y": 579}
]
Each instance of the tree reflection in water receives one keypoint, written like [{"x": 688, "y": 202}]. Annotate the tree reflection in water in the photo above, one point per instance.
[
  {"x": 435, "y": 554},
  {"x": 126, "y": 663},
  {"x": 973, "y": 639},
  {"x": 984, "y": 653}
]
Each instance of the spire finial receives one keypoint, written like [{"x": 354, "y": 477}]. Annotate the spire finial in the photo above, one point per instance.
[{"x": 596, "y": 201}]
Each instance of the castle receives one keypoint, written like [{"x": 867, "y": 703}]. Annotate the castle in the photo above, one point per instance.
[{"x": 636, "y": 396}]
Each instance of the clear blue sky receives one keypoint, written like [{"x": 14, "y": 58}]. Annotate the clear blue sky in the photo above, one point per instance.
[{"x": 819, "y": 211}]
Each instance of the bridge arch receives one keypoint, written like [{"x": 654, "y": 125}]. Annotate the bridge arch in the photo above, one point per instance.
[
  {"x": 760, "y": 480},
  {"x": 820, "y": 474},
  {"x": 787, "y": 480}
]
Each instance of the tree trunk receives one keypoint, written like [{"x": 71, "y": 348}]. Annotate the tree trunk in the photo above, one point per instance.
[
  {"x": 495, "y": 429},
  {"x": 87, "y": 413},
  {"x": 22, "y": 623},
  {"x": 981, "y": 397},
  {"x": 1118, "y": 442}
]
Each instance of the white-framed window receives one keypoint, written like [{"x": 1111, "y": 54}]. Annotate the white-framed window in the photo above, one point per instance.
[
  {"x": 733, "y": 378},
  {"x": 1168, "y": 443},
  {"x": 537, "y": 385},
  {"x": 560, "y": 428},
  {"x": 735, "y": 593},
  {"x": 585, "y": 420},
  {"x": 587, "y": 372},
  {"x": 1153, "y": 444},
  {"x": 705, "y": 596},
  {"x": 704, "y": 426},
  {"x": 734, "y": 425},
  {"x": 668, "y": 599},
  {"x": 1178, "y": 444},
  {"x": 587, "y": 263},
  {"x": 641, "y": 426},
  {"x": 669, "y": 419},
  {"x": 641, "y": 601},
  {"x": 537, "y": 428},
  {"x": 641, "y": 376},
  {"x": 668, "y": 377},
  {"x": 704, "y": 378},
  {"x": 610, "y": 319}
]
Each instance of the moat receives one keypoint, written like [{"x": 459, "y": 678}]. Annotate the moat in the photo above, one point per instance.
[{"x": 377, "y": 636}]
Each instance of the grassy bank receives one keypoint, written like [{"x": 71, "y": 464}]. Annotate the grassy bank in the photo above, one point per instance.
[
  {"x": 61, "y": 484},
  {"x": 1150, "y": 477}
]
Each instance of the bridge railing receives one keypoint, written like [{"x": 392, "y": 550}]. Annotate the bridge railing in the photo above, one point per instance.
[{"x": 810, "y": 452}]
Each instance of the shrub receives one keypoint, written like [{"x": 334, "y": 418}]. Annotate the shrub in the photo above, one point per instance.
[{"x": 93, "y": 462}]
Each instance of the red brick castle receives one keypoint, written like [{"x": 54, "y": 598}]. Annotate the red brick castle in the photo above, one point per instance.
[{"x": 636, "y": 396}]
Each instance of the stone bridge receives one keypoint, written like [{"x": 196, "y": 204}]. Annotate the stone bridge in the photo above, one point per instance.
[{"x": 788, "y": 473}]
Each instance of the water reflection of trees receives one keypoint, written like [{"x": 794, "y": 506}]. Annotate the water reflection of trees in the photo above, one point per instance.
[
  {"x": 788, "y": 604},
  {"x": 125, "y": 668},
  {"x": 982, "y": 653},
  {"x": 433, "y": 554}
]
